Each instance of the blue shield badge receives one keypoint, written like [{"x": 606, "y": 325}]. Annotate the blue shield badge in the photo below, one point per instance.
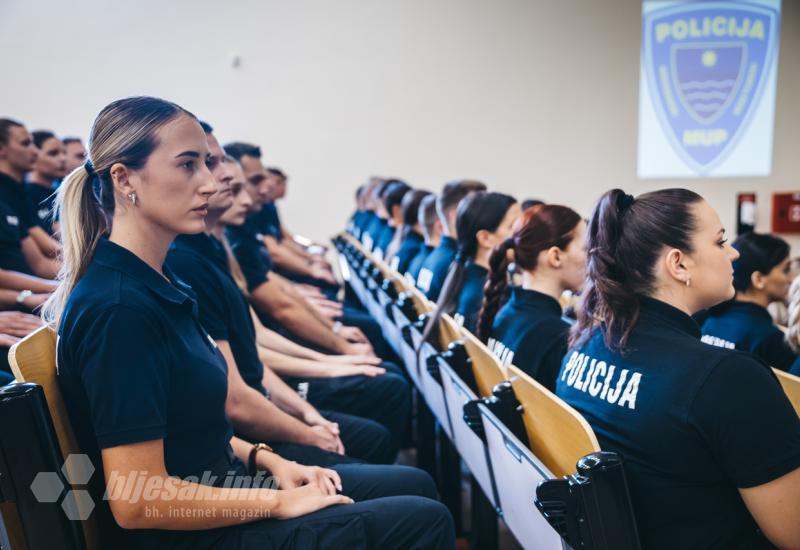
[{"x": 706, "y": 64}]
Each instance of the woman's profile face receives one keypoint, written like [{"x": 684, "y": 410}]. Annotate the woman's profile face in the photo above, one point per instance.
[
  {"x": 237, "y": 213},
  {"x": 173, "y": 187},
  {"x": 51, "y": 162},
  {"x": 710, "y": 265},
  {"x": 574, "y": 262},
  {"x": 777, "y": 281}
]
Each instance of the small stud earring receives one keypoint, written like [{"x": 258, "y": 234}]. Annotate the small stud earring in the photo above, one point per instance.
[
  {"x": 688, "y": 281},
  {"x": 132, "y": 198}
]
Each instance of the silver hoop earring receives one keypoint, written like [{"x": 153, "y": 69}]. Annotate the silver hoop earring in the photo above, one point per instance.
[{"x": 132, "y": 198}]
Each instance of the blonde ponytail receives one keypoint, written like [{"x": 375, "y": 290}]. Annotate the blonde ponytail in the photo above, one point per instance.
[{"x": 82, "y": 223}]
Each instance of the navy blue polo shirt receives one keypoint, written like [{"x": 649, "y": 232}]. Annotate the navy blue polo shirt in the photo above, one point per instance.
[
  {"x": 415, "y": 266},
  {"x": 372, "y": 232},
  {"x": 267, "y": 221},
  {"x": 135, "y": 364},
  {"x": 384, "y": 240},
  {"x": 693, "y": 423},
  {"x": 748, "y": 327},
  {"x": 530, "y": 333},
  {"x": 40, "y": 205},
  {"x": 471, "y": 296},
  {"x": 434, "y": 270},
  {"x": 249, "y": 250},
  {"x": 15, "y": 220},
  {"x": 408, "y": 250},
  {"x": 201, "y": 261}
]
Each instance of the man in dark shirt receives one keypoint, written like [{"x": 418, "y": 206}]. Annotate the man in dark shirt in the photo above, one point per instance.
[{"x": 19, "y": 251}]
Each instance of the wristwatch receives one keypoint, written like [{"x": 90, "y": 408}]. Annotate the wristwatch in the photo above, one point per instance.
[
  {"x": 24, "y": 295},
  {"x": 251, "y": 461}
]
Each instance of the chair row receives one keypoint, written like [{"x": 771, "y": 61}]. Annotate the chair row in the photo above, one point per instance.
[{"x": 536, "y": 459}]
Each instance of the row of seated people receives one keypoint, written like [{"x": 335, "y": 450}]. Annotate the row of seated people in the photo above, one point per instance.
[
  {"x": 710, "y": 440},
  {"x": 199, "y": 344}
]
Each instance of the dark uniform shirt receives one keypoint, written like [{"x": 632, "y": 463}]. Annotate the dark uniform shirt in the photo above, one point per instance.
[
  {"x": 250, "y": 252},
  {"x": 530, "y": 333},
  {"x": 40, "y": 205},
  {"x": 434, "y": 270},
  {"x": 136, "y": 365},
  {"x": 693, "y": 423},
  {"x": 471, "y": 296},
  {"x": 267, "y": 221},
  {"x": 416, "y": 263},
  {"x": 201, "y": 261},
  {"x": 749, "y": 327},
  {"x": 383, "y": 241},
  {"x": 373, "y": 231},
  {"x": 409, "y": 248},
  {"x": 15, "y": 220}
]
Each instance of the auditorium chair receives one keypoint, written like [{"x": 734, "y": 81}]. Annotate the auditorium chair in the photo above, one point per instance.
[
  {"x": 791, "y": 385},
  {"x": 37, "y": 437}
]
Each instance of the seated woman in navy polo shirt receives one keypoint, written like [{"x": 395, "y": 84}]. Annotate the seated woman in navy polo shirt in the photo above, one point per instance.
[
  {"x": 411, "y": 239},
  {"x": 484, "y": 220},
  {"x": 144, "y": 384},
  {"x": 761, "y": 276},
  {"x": 528, "y": 331},
  {"x": 392, "y": 197},
  {"x": 432, "y": 234},
  {"x": 711, "y": 444},
  {"x": 434, "y": 270}
]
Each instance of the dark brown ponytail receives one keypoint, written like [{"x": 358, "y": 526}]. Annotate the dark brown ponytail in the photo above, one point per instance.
[
  {"x": 494, "y": 293},
  {"x": 539, "y": 228},
  {"x": 625, "y": 236}
]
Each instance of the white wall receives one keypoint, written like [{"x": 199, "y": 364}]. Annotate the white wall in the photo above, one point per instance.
[{"x": 537, "y": 98}]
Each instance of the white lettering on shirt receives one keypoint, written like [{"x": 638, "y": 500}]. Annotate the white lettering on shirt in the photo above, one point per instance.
[
  {"x": 12, "y": 220},
  {"x": 499, "y": 350},
  {"x": 621, "y": 390},
  {"x": 716, "y": 341},
  {"x": 424, "y": 279}
]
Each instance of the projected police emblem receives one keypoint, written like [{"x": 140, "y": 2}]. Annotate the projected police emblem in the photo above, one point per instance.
[{"x": 706, "y": 65}]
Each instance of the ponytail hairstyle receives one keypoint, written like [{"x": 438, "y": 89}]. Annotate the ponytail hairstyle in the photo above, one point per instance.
[
  {"x": 625, "y": 236},
  {"x": 757, "y": 252},
  {"x": 541, "y": 227},
  {"x": 477, "y": 212},
  {"x": 124, "y": 132}
]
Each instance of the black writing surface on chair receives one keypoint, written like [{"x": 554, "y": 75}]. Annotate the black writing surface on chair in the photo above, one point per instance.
[{"x": 33, "y": 359}]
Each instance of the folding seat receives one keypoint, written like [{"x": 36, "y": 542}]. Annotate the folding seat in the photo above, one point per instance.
[{"x": 44, "y": 473}]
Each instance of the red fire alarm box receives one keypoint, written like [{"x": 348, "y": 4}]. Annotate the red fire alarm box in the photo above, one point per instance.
[{"x": 786, "y": 213}]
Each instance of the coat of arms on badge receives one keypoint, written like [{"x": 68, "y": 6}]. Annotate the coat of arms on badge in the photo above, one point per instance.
[{"x": 706, "y": 64}]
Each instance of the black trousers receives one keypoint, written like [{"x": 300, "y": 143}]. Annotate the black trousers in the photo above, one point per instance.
[
  {"x": 394, "y": 509},
  {"x": 385, "y": 399},
  {"x": 364, "y": 441}
]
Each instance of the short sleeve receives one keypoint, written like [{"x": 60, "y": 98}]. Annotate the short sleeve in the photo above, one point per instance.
[
  {"x": 251, "y": 255},
  {"x": 747, "y": 421},
  {"x": 125, "y": 373},
  {"x": 212, "y": 306}
]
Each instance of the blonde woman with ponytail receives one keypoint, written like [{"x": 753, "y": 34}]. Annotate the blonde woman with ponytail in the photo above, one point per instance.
[{"x": 144, "y": 385}]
